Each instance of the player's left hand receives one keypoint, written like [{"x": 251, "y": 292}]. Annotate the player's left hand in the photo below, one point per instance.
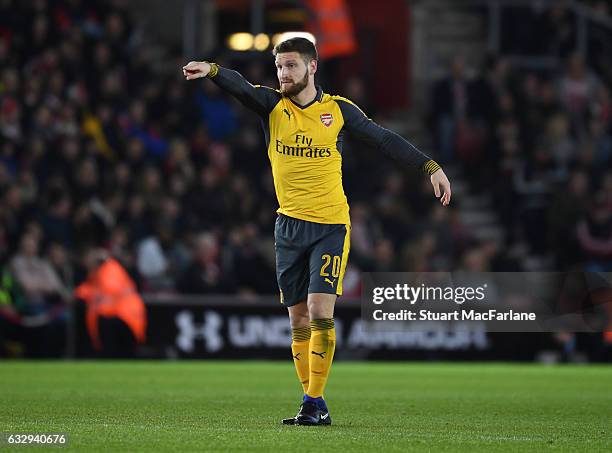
[
  {"x": 439, "y": 179},
  {"x": 196, "y": 70}
]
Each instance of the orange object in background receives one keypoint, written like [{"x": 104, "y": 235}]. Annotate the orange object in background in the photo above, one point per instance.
[
  {"x": 333, "y": 27},
  {"x": 110, "y": 292}
]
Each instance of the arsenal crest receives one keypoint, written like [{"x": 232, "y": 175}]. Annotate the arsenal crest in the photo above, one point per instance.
[{"x": 327, "y": 119}]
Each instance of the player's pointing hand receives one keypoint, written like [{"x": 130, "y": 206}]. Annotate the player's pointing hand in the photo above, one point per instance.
[
  {"x": 196, "y": 70},
  {"x": 439, "y": 179}
]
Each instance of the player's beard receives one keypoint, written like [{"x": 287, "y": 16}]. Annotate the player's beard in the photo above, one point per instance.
[{"x": 296, "y": 88}]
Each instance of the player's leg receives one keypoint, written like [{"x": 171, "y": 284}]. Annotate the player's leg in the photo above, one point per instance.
[
  {"x": 322, "y": 341},
  {"x": 327, "y": 259},
  {"x": 300, "y": 345},
  {"x": 321, "y": 354},
  {"x": 292, "y": 273},
  {"x": 294, "y": 287},
  {"x": 300, "y": 341}
]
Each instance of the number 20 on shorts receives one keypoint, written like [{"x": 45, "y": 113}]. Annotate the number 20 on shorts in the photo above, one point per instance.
[{"x": 335, "y": 265}]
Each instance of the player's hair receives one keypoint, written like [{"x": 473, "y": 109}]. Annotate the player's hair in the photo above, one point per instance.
[{"x": 303, "y": 46}]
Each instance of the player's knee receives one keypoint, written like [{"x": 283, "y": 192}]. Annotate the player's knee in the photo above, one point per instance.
[
  {"x": 321, "y": 306},
  {"x": 298, "y": 316}
]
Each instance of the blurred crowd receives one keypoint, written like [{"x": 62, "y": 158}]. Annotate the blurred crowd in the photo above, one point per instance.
[
  {"x": 536, "y": 136},
  {"x": 103, "y": 145}
]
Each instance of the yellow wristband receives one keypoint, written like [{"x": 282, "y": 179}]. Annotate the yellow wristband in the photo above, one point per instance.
[
  {"x": 430, "y": 167},
  {"x": 214, "y": 69}
]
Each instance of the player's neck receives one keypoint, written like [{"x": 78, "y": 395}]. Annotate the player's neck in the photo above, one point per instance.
[{"x": 306, "y": 96}]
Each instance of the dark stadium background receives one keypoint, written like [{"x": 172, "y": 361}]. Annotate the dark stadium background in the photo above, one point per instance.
[{"x": 104, "y": 146}]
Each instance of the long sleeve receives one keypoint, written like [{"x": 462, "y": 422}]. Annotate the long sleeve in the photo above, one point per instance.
[
  {"x": 258, "y": 98},
  {"x": 388, "y": 142}
]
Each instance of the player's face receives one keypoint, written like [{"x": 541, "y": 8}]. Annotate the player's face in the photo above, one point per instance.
[{"x": 292, "y": 72}]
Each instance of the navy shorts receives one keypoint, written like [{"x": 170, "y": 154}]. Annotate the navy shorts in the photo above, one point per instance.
[{"x": 310, "y": 258}]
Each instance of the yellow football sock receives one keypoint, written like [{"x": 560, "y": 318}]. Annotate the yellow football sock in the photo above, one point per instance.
[
  {"x": 300, "y": 343},
  {"x": 322, "y": 347}
]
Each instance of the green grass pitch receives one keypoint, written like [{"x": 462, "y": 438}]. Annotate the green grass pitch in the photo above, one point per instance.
[{"x": 230, "y": 406}]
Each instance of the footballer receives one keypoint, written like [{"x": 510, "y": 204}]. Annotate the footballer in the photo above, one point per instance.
[{"x": 304, "y": 130}]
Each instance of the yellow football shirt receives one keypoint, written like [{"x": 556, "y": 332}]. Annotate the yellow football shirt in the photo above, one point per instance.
[{"x": 305, "y": 146}]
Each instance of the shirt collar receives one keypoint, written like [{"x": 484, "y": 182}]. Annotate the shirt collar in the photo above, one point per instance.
[{"x": 318, "y": 98}]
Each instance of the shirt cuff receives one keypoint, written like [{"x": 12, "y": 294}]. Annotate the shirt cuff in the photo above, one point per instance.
[
  {"x": 214, "y": 69},
  {"x": 430, "y": 167}
]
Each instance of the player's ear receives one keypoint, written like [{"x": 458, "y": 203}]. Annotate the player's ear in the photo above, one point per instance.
[{"x": 313, "y": 67}]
